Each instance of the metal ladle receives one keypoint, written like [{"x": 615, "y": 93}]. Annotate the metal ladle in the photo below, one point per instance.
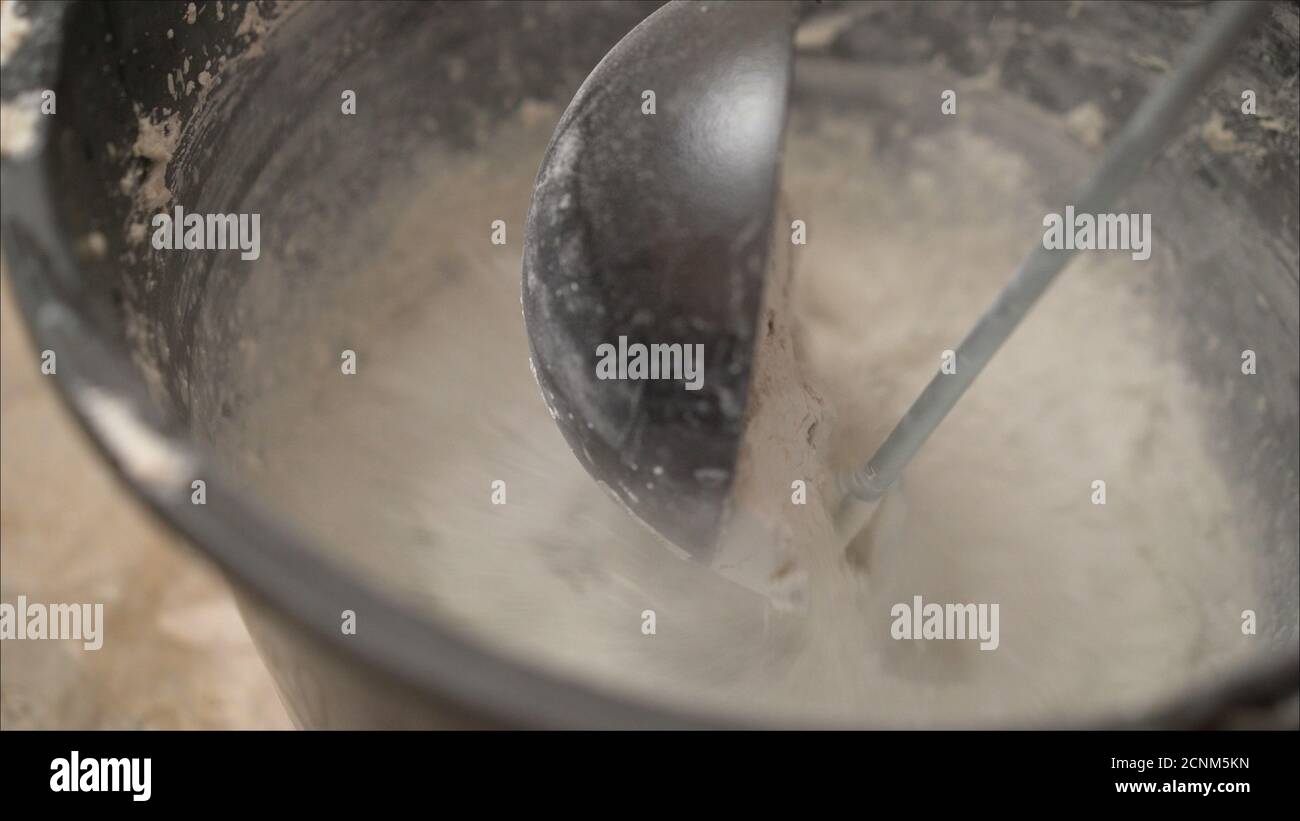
[{"x": 652, "y": 219}]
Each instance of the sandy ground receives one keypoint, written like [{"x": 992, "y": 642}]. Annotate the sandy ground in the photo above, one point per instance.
[{"x": 175, "y": 653}]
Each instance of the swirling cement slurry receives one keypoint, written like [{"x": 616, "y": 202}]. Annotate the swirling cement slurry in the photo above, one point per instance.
[{"x": 1102, "y": 607}]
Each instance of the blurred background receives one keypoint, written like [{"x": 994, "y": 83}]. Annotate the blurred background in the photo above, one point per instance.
[{"x": 176, "y": 654}]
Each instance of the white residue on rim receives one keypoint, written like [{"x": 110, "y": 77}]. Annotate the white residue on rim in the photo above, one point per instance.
[
  {"x": 144, "y": 453},
  {"x": 18, "y": 124}
]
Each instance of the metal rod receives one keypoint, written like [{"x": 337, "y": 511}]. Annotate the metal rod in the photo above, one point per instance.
[{"x": 1140, "y": 140}]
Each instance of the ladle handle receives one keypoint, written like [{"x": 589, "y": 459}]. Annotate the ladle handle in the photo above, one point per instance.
[{"x": 1142, "y": 137}]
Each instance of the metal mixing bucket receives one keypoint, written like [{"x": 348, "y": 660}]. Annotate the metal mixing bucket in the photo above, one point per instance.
[{"x": 154, "y": 348}]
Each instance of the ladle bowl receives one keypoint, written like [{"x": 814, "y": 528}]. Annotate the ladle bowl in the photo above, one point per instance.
[{"x": 649, "y": 230}]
